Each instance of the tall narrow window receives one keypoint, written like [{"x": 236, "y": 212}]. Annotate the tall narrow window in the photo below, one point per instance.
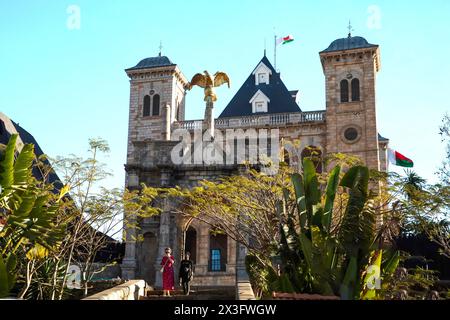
[
  {"x": 155, "y": 111},
  {"x": 218, "y": 252},
  {"x": 344, "y": 91},
  {"x": 216, "y": 260},
  {"x": 146, "y": 112},
  {"x": 355, "y": 89}
]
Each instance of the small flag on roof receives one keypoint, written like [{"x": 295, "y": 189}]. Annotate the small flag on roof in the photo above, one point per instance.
[
  {"x": 285, "y": 40},
  {"x": 398, "y": 159}
]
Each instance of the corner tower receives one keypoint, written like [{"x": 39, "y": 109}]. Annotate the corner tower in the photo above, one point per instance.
[
  {"x": 157, "y": 99},
  {"x": 350, "y": 66}
]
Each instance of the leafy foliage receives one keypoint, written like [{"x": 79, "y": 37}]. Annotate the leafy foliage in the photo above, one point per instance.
[
  {"x": 318, "y": 258},
  {"x": 28, "y": 212}
]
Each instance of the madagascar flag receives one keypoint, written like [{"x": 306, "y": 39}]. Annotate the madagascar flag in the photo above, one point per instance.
[
  {"x": 399, "y": 160},
  {"x": 285, "y": 40}
]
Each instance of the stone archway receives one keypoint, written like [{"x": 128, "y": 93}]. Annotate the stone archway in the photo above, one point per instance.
[{"x": 191, "y": 243}]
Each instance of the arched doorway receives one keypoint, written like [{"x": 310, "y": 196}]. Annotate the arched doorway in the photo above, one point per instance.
[
  {"x": 218, "y": 252},
  {"x": 191, "y": 243},
  {"x": 149, "y": 252}
]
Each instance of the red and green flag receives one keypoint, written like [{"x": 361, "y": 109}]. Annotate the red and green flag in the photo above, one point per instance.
[
  {"x": 398, "y": 159},
  {"x": 285, "y": 40}
]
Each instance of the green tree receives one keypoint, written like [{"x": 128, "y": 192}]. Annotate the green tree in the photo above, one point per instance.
[{"x": 93, "y": 215}]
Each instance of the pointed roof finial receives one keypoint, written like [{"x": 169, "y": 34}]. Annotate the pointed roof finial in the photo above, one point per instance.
[
  {"x": 350, "y": 28},
  {"x": 265, "y": 47},
  {"x": 160, "y": 48}
]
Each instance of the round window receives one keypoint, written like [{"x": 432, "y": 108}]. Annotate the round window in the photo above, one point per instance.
[
  {"x": 351, "y": 134},
  {"x": 152, "y": 92}
]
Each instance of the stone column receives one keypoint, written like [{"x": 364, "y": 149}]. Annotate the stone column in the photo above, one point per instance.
[
  {"x": 202, "y": 249},
  {"x": 164, "y": 242},
  {"x": 167, "y": 122},
  {"x": 129, "y": 262},
  {"x": 241, "y": 253},
  {"x": 164, "y": 228},
  {"x": 209, "y": 117}
]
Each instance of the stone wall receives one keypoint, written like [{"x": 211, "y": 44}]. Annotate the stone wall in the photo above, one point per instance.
[{"x": 130, "y": 290}]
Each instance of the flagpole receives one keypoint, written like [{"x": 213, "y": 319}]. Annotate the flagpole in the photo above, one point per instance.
[{"x": 275, "y": 52}]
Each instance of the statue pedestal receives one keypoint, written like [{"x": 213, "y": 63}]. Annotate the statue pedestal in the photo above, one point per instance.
[{"x": 208, "y": 122}]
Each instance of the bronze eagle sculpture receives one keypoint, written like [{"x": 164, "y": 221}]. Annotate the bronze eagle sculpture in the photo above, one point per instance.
[{"x": 208, "y": 83}]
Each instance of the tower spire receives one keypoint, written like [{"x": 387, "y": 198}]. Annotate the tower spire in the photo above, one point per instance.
[
  {"x": 160, "y": 48},
  {"x": 350, "y": 28}
]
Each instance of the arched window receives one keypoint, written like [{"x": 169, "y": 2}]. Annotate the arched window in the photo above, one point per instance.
[
  {"x": 344, "y": 91},
  {"x": 355, "y": 89},
  {"x": 146, "y": 111},
  {"x": 191, "y": 243},
  {"x": 155, "y": 111},
  {"x": 315, "y": 154}
]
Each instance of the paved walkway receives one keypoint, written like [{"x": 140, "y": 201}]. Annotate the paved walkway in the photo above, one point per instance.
[{"x": 197, "y": 293}]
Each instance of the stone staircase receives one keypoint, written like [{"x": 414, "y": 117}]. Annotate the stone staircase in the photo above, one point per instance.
[{"x": 197, "y": 293}]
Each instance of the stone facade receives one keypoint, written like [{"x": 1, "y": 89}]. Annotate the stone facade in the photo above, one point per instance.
[{"x": 344, "y": 126}]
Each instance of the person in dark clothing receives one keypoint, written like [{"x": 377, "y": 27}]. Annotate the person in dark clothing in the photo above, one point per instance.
[{"x": 186, "y": 273}]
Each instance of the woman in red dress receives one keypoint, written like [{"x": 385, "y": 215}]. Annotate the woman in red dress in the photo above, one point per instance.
[{"x": 167, "y": 272}]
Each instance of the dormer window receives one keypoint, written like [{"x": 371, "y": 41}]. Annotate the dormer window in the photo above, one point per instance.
[
  {"x": 262, "y": 74},
  {"x": 259, "y": 102},
  {"x": 262, "y": 78}
]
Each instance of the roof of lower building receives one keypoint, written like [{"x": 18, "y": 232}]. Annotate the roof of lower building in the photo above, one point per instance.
[
  {"x": 26, "y": 137},
  {"x": 382, "y": 139},
  {"x": 152, "y": 62},
  {"x": 281, "y": 100},
  {"x": 348, "y": 44}
]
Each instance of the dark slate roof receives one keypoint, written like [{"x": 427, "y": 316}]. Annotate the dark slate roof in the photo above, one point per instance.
[
  {"x": 4, "y": 134},
  {"x": 280, "y": 98},
  {"x": 153, "y": 62},
  {"x": 349, "y": 43},
  {"x": 382, "y": 139},
  {"x": 26, "y": 139}
]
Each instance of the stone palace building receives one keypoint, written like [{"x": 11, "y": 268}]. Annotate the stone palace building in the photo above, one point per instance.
[{"x": 157, "y": 108}]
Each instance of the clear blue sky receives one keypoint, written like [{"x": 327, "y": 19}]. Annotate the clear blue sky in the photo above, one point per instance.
[{"x": 65, "y": 86}]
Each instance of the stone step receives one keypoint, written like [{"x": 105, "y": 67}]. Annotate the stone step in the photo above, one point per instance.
[{"x": 203, "y": 293}]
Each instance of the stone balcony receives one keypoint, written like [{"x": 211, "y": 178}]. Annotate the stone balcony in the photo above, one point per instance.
[{"x": 255, "y": 121}]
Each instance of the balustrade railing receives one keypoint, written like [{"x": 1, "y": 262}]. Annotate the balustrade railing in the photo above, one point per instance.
[{"x": 259, "y": 120}]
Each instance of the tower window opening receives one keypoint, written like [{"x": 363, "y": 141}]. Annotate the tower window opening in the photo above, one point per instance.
[
  {"x": 146, "y": 111},
  {"x": 355, "y": 90},
  {"x": 344, "y": 90},
  {"x": 155, "y": 111}
]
